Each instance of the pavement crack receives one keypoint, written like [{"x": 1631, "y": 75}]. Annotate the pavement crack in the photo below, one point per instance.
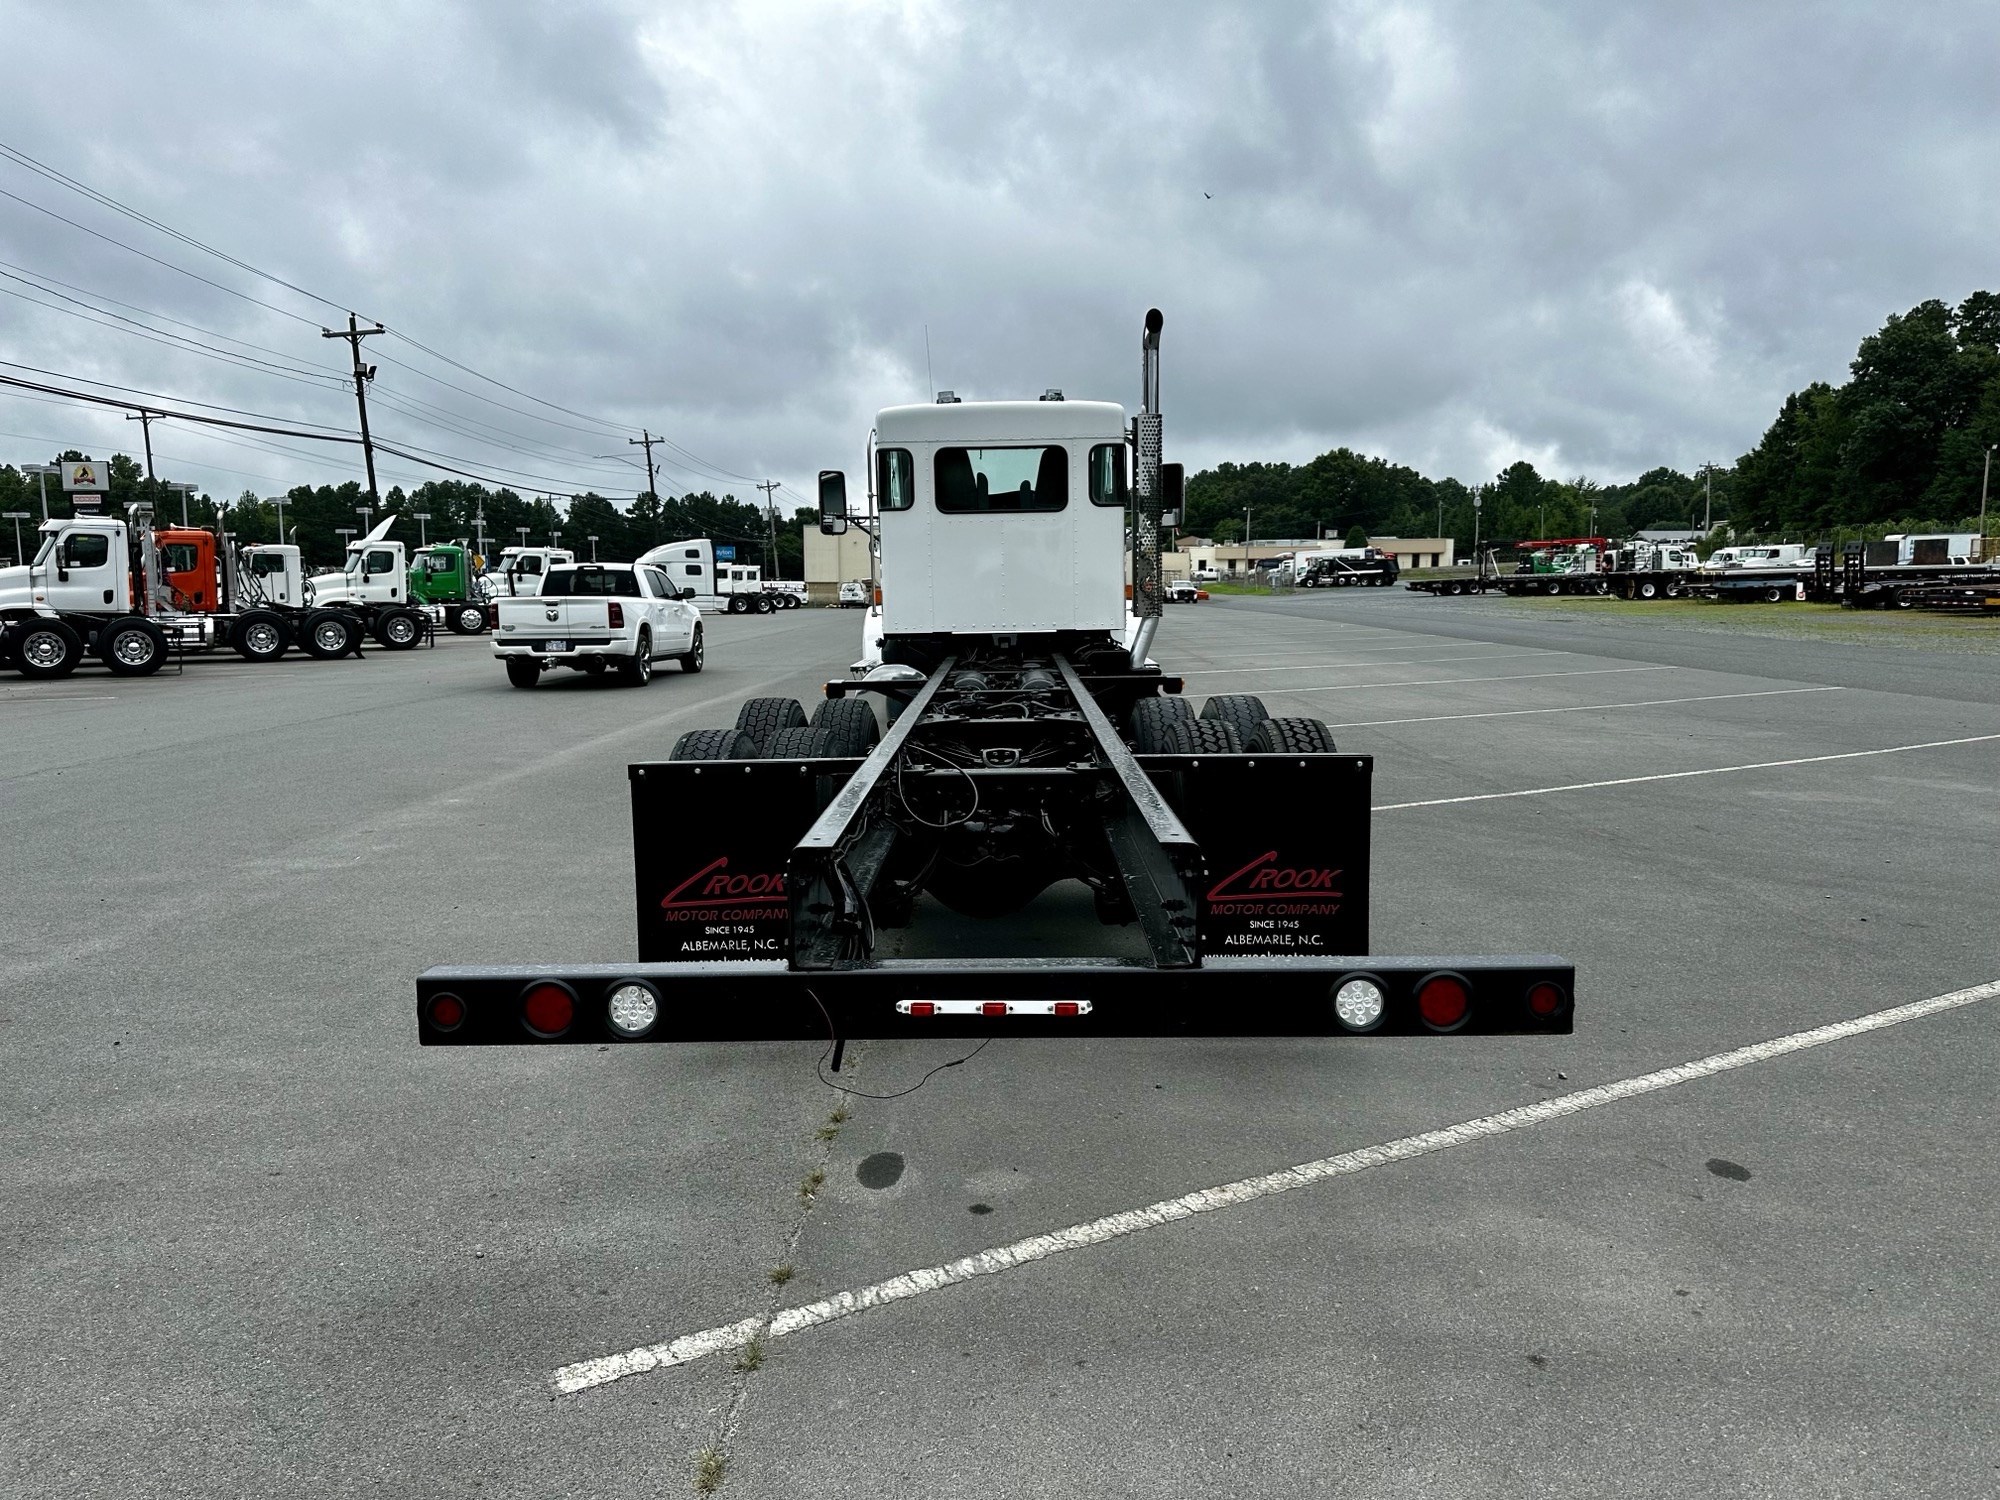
[{"x": 712, "y": 1462}]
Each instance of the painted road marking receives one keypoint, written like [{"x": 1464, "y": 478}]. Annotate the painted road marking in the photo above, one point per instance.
[
  {"x": 690, "y": 1347},
  {"x": 1761, "y": 765},
  {"x": 1316, "y": 666},
  {"x": 1584, "y": 708},
  {"x": 1352, "y": 687}
]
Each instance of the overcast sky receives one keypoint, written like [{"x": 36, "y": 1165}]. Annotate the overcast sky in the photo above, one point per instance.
[{"x": 1597, "y": 237}]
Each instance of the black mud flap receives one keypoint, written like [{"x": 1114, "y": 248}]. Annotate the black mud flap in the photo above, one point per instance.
[
  {"x": 710, "y": 840},
  {"x": 1285, "y": 839}
]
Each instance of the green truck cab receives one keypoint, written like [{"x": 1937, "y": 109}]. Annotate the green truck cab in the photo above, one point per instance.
[{"x": 442, "y": 575}]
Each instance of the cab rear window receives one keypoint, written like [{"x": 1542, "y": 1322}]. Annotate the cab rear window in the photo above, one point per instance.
[
  {"x": 621, "y": 583},
  {"x": 986, "y": 480}
]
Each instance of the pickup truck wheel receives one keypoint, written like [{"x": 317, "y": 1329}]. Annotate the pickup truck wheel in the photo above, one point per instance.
[
  {"x": 714, "y": 744},
  {"x": 132, "y": 647},
  {"x": 1153, "y": 717},
  {"x": 1244, "y": 710},
  {"x": 692, "y": 662},
  {"x": 466, "y": 619},
  {"x": 1203, "y": 737},
  {"x": 637, "y": 669},
  {"x": 328, "y": 635},
  {"x": 399, "y": 630},
  {"x": 47, "y": 649},
  {"x": 760, "y": 718},
  {"x": 1290, "y": 737},
  {"x": 260, "y": 636},
  {"x": 849, "y": 724},
  {"x": 523, "y": 671}
]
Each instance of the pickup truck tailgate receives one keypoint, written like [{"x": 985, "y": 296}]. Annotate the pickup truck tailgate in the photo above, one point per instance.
[{"x": 543, "y": 615}]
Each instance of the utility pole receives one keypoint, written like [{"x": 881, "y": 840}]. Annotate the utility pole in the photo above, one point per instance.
[
  {"x": 647, "y": 442},
  {"x": 1246, "y": 541},
  {"x": 771, "y": 516},
  {"x": 362, "y": 375},
  {"x": 145, "y": 420},
  {"x": 479, "y": 526}
]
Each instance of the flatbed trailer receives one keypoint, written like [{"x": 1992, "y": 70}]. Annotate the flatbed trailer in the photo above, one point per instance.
[{"x": 998, "y": 737}]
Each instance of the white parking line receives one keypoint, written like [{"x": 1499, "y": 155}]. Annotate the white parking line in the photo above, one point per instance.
[
  {"x": 1350, "y": 687},
  {"x": 1760, "y": 765},
  {"x": 1316, "y": 666},
  {"x": 1584, "y": 708},
  {"x": 594, "y": 1372}
]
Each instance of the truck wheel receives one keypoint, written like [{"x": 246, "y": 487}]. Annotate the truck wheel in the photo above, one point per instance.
[
  {"x": 1773, "y": 594},
  {"x": 800, "y": 742},
  {"x": 1153, "y": 717},
  {"x": 1290, "y": 737},
  {"x": 637, "y": 669},
  {"x": 523, "y": 671},
  {"x": 328, "y": 635},
  {"x": 760, "y": 718},
  {"x": 399, "y": 630},
  {"x": 466, "y": 619},
  {"x": 1553, "y": 587},
  {"x": 849, "y": 724},
  {"x": 132, "y": 647},
  {"x": 47, "y": 649},
  {"x": 692, "y": 662},
  {"x": 1243, "y": 710},
  {"x": 1649, "y": 588},
  {"x": 736, "y": 603},
  {"x": 260, "y": 636},
  {"x": 1203, "y": 737},
  {"x": 764, "y": 605},
  {"x": 714, "y": 744}
]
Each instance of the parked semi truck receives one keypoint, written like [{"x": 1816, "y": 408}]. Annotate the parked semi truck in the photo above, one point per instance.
[
  {"x": 444, "y": 581},
  {"x": 1009, "y": 729},
  {"x": 722, "y": 586},
  {"x": 127, "y": 592}
]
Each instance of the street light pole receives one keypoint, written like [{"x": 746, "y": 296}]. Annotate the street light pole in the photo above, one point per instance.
[
  {"x": 364, "y": 511},
  {"x": 593, "y": 548},
  {"x": 41, "y": 473},
  {"x": 17, "y": 517},
  {"x": 279, "y": 501},
  {"x": 186, "y": 490},
  {"x": 1246, "y": 541},
  {"x": 423, "y": 535}
]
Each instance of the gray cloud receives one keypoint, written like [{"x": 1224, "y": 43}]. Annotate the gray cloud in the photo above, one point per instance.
[{"x": 1597, "y": 237}]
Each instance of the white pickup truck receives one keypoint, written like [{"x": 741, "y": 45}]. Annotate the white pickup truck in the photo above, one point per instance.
[{"x": 592, "y": 616}]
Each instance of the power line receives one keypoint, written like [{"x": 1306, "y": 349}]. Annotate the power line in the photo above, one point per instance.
[
  {"x": 185, "y": 416},
  {"x": 23, "y": 159},
  {"x": 185, "y": 401}
]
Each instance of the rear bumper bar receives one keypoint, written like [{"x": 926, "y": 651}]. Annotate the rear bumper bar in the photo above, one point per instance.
[{"x": 769, "y": 1001}]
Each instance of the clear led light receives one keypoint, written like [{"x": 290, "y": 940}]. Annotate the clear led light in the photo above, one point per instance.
[
  {"x": 1358, "y": 1003},
  {"x": 633, "y": 1009}
]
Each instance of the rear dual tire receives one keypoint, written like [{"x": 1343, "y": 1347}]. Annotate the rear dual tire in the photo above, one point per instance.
[
  {"x": 47, "y": 650},
  {"x": 132, "y": 647}
]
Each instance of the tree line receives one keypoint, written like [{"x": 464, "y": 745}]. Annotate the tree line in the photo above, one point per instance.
[
  {"x": 315, "y": 515},
  {"x": 1901, "y": 446}
]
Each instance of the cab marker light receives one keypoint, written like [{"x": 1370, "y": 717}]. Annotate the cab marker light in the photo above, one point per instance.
[
  {"x": 1063, "y": 1008},
  {"x": 1359, "y": 1002},
  {"x": 548, "y": 1009},
  {"x": 1444, "y": 1000},
  {"x": 632, "y": 1009},
  {"x": 445, "y": 1012}
]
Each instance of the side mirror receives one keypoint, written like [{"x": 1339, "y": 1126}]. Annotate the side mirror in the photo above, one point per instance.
[
  {"x": 832, "y": 502},
  {"x": 1173, "y": 485},
  {"x": 687, "y": 593}
]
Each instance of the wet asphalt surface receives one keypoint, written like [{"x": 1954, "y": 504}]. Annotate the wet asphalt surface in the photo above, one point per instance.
[{"x": 257, "y": 1241}]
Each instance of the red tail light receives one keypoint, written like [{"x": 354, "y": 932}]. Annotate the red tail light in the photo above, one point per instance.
[
  {"x": 993, "y": 1008},
  {"x": 617, "y": 615},
  {"x": 548, "y": 1009},
  {"x": 1067, "y": 1008},
  {"x": 446, "y": 1012},
  {"x": 922, "y": 1008},
  {"x": 1545, "y": 999},
  {"x": 1443, "y": 1000}
]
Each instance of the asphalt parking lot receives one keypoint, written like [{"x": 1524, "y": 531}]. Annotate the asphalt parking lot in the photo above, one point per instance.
[{"x": 258, "y": 1242}]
